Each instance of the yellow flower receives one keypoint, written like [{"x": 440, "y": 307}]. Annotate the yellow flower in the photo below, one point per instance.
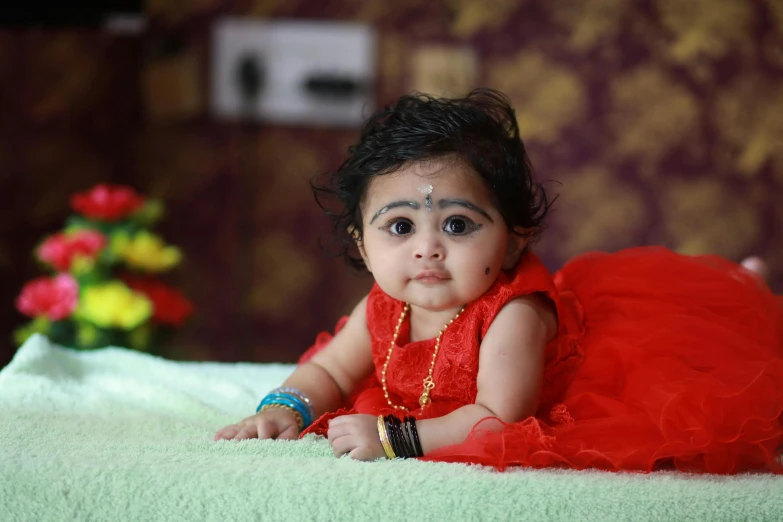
[
  {"x": 114, "y": 305},
  {"x": 146, "y": 251}
]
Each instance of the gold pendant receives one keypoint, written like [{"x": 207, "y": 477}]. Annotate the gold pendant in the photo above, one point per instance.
[{"x": 429, "y": 384}]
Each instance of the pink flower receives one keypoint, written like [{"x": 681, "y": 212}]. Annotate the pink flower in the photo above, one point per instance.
[
  {"x": 60, "y": 250},
  {"x": 53, "y": 297},
  {"x": 107, "y": 202}
]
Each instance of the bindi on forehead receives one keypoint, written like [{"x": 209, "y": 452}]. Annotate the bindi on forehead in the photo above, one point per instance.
[
  {"x": 448, "y": 180},
  {"x": 427, "y": 191}
]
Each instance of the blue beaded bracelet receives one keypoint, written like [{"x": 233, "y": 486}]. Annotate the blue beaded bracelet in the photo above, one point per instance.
[
  {"x": 275, "y": 394},
  {"x": 292, "y": 401},
  {"x": 298, "y": 393},
  {"x": 282, "y": 401}
]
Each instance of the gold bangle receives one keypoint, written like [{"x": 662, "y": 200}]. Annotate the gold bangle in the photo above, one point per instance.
[
  {"x": 387, "y": 447},
  {"x": 297, "y": 415}
]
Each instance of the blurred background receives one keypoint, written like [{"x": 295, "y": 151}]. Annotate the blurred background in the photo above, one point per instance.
[{"x": 657, "y": 122}]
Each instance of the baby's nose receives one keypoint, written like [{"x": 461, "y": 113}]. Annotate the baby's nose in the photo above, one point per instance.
[{"x": 428, "y": 247}]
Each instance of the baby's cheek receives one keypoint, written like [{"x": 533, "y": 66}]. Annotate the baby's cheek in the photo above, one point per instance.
[
  {"x": 480, "y": 284},
  {"x": 479, "y": 276},
  {"x": 390, "y": 277}
]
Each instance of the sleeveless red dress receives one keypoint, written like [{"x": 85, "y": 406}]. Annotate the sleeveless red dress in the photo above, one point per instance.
[{"x": 660, "y": 360}]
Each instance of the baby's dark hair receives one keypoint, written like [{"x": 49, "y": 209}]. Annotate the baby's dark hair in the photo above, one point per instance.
[{"x": 480, "y": 129}]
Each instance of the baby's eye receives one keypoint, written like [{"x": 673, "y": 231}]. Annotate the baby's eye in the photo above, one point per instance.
[
  {"x": 399, "y": 227},
  {"x": 460, "y": 226}
]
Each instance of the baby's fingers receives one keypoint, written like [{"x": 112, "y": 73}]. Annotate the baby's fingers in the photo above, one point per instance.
[
  {"x": 265, "y": 429},
  {"x": 343, "y": 445},
  {"x": 248, "y": 431},
  {"x": 227, "y": 433},
  {"x": 290, "y": 433},
  {"x": 337, "y": 430}
]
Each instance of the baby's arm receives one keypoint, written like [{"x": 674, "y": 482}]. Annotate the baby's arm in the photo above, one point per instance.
[
  {"x": 326, "y": 380},
  {"x": 511, "y": 366}
]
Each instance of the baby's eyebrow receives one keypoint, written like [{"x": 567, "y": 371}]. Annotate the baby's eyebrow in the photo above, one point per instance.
[
  {"x": 446, "y": 203},
  {"x": 394, "y": 204}
]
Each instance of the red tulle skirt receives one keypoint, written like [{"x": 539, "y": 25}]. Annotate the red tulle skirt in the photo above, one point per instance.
[{"x": 681, "y": 367}]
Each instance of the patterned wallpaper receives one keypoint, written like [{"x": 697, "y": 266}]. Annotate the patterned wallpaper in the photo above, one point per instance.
[{"x": 656, "y": 121}]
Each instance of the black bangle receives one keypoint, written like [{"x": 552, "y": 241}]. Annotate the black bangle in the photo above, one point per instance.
[
  {"x": 393, "y": 436},
  {"x": 407, "y": 444},
  {"x": 409, "y": 436},
  {"x": 410, "y": 424},
  {"x": 400, "y": 448},
  {"x": 396, "y": 438}
]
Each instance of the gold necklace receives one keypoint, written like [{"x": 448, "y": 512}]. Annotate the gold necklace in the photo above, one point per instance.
[{"x": 428, "y": 383}]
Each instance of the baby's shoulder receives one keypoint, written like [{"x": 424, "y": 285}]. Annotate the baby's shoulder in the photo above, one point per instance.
[{"x": 529, "y": 311}]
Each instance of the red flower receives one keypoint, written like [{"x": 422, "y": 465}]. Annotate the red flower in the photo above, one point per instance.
[
  {"x": 53, "y": 297},
  {"x": 107, "y": 202},
  {"x": 170, "y": 307},
  {"x": 59, "y": 250}
]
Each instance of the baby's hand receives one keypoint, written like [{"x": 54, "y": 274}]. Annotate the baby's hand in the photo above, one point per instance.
[
  {"x": 274, "y": 423},
  {"x": 356, "y": 435}
]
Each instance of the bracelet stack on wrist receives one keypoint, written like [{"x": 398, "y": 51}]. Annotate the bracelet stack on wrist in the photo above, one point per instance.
[
  {"x": 399, "y": 438},
  {"x": 291, "y": 399},
  {"x": 298, "y": 416}
]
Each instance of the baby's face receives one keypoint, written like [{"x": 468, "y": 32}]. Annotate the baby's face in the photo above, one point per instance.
[{"x": 432, "y": 236}]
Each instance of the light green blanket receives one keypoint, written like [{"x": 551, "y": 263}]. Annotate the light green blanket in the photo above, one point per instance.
[{"x": 119, "y": 435}]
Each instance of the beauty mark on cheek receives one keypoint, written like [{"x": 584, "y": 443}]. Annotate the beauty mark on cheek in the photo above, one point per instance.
[{"x": 486, "y": 271}]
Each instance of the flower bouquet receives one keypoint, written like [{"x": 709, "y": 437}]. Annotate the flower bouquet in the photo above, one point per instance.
[{"x": 103, "y": 290}]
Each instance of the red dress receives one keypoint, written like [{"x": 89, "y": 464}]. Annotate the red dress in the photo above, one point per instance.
[{"x": 660, "y": 360}]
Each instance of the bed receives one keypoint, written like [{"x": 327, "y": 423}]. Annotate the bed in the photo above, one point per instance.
[{"x": 116, "y": 434}]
